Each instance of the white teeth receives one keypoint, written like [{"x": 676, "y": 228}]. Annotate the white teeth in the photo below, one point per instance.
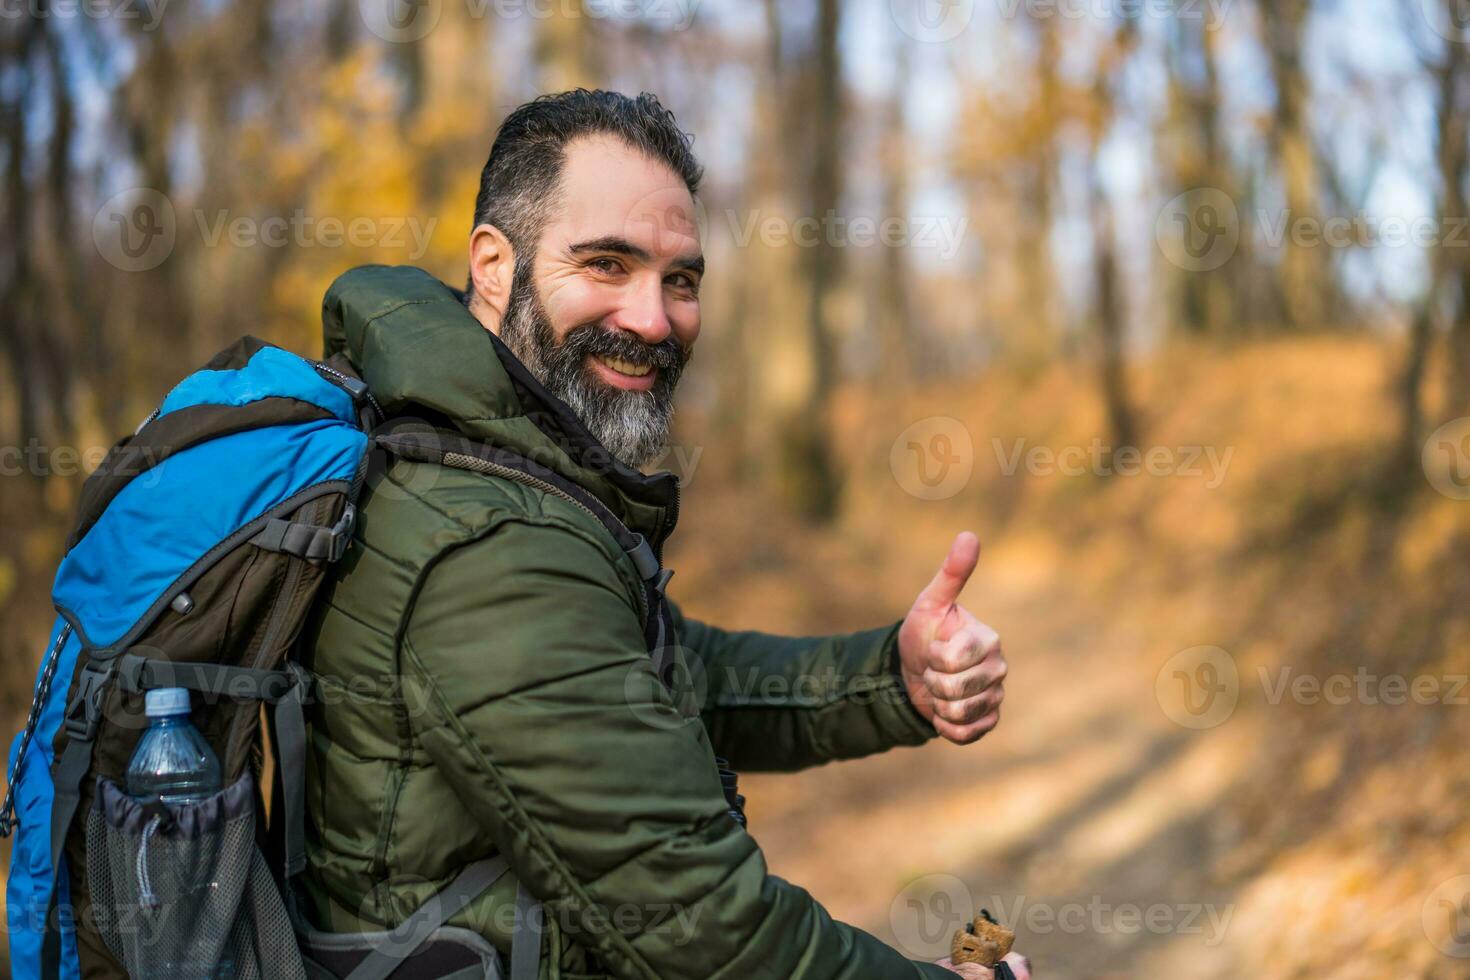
[{"x": 625, "y": 367}]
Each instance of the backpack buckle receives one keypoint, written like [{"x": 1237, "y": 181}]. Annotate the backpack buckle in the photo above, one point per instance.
[
  {"x": 643, "y": 557},
  {"x": 342, "y": 533},
  {"x": 309, "y": 542},
  {"x": 84, "y": 711}
]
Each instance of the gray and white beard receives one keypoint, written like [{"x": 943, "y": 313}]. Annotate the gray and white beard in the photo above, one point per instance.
[{"x": 632, "y": 425}]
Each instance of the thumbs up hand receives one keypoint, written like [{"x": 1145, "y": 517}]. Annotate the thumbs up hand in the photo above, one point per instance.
[{"x": 951, "y": 662}]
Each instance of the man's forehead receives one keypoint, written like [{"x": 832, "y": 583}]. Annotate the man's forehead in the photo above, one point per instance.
[{"x": 612, "y": 190}]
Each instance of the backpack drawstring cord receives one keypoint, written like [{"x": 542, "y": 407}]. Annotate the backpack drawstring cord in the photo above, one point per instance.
[{"x": 145, "y": 885}]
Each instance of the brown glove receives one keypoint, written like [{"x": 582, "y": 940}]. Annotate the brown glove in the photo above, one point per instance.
[{"x": 983, "y": 941}]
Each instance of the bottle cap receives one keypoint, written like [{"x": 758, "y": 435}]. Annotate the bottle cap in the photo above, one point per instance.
[{"x": 162, "y": 702}]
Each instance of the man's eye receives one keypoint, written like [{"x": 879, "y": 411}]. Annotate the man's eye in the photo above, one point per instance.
[
  {"x": 684, "y": 281},
  {"x": 605, "y": 266}
]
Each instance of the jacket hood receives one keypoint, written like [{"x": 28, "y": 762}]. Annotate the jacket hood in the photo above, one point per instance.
[{"x": 423, "y": 354}]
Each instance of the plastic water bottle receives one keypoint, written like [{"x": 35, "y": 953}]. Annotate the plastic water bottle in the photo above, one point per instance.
[{"x": 172, "y": 762}]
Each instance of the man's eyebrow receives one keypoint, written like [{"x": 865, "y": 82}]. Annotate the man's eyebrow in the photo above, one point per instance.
[
  {"x": 693, "y": 263},
  {"x": 611, "y": 243}
]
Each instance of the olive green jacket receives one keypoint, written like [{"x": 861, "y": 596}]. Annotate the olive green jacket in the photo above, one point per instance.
[{"x": 483, "y": 686}]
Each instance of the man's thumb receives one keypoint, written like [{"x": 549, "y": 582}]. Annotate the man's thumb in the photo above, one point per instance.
[{"x": 944, "y": 588}]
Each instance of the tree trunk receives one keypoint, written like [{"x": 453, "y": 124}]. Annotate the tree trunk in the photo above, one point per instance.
[
  {"x": 1110, "y": 328},
  {"x": 42, "y": 409},
  {"x": 1041, "y": 316},
  {"x": 1447, "y": 267},
  {"x": 1304, "y": 275},
  {"x": 809, "y": 478},
  {"x": 896, "y": 336},
  {"x": 1107, "y": 287},
  {"x": 1207, "y": 298}
]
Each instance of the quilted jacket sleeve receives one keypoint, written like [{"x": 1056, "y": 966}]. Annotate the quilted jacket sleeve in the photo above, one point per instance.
[
  {"x": 782, "y": 703},
  {"x": 540, "y": 706}
]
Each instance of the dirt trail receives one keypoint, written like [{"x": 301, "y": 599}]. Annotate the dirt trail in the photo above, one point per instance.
[
  {"x": 1084, "y": 818},
  {"x": 1088, "y": 819}
]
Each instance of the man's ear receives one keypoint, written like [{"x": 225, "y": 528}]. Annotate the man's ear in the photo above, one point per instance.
[{"x": 492, "y": 271}]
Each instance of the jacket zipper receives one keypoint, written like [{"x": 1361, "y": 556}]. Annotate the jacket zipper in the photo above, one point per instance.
[
  {"x": 670, "y": 519},
  {"x": 460, "y": 461},
  {"x": 346, "y": 384}
]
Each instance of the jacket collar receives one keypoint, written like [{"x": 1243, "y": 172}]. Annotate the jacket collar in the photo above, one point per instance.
[{"x": 422, "y": 353}]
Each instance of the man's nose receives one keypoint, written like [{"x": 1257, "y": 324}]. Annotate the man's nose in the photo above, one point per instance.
[{"x": 642, "y": 311}]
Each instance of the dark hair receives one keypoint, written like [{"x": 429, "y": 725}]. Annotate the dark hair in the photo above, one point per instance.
[{"x": 518, "y": 184}]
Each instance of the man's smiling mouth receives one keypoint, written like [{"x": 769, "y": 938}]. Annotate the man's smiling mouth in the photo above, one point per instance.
[
  {"x": 625, "y": 367},
  {"x": 623, "y": 374}
]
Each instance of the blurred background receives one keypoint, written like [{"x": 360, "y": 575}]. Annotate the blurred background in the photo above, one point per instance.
[{"x": 1168, "y": 300}]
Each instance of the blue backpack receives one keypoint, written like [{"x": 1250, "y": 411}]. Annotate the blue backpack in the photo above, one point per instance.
[{"x": 200, "y": 544}]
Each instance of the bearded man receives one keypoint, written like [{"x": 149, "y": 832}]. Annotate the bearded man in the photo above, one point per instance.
[{"x": 491, "y": 739}]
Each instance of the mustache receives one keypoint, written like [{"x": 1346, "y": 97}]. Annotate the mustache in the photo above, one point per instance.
[{"x": 595, "y": 339}]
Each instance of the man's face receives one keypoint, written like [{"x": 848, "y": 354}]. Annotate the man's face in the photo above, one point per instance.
[{"x": 607, "y": 311}]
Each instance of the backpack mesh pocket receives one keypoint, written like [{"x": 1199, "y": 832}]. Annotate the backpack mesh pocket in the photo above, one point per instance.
[{"x": 187, "y": 895}]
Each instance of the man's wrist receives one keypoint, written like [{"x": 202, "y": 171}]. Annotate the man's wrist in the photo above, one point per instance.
[{"x": 922, "y": 729}]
